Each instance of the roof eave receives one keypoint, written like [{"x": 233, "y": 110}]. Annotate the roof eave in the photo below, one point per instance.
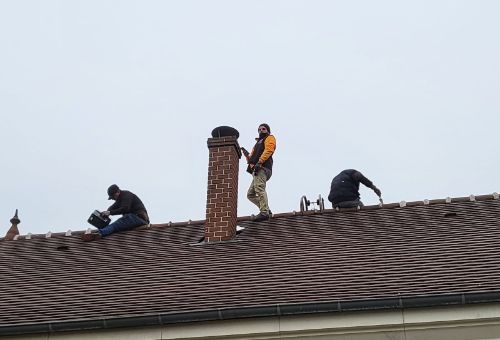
[{"x": 252, "y": 311}]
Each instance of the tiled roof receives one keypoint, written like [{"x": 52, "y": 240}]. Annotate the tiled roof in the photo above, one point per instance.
[{"x": 373, "y": 253}]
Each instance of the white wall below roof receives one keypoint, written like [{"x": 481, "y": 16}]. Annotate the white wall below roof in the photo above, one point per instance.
[{"x": 457, "y": 323}]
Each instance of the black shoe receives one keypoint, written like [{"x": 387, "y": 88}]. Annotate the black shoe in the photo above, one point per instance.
[{"x": 262, "y": 217}]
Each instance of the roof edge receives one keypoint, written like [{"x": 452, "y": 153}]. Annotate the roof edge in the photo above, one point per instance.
[{"x": 159, "y": 319}]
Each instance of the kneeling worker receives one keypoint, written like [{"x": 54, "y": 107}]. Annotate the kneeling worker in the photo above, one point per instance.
[
  {"x": 126, "y": 204},
  {"x": 344, "y": 190}
]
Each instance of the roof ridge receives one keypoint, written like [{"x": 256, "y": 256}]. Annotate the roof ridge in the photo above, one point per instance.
[{"x": 401, "y": 204}]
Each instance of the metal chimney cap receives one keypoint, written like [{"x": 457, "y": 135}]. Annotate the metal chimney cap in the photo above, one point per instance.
[{"x": 225, "y": 131}]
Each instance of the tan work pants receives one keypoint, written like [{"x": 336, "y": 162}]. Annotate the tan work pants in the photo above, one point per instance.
[{"x": 257, "y": 191}]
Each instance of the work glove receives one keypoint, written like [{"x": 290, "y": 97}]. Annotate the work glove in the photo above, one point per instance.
[
  {"x": 377, "y": 191},
  {"x": 257, "y": 167},
  {"x": 105, "y": 213}
]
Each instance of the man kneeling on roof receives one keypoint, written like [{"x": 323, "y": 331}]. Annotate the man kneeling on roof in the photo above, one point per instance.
[
  {"x": 344, "y": 190},
  {"x": 126, "y": 204}
]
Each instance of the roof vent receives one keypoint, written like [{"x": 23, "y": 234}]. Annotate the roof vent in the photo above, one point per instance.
[
  {"x": 402, "y": 204},
  {"x": 305, "y": 203},
  {"x": 28, "y": 236},
  {"x": 68, "y": 233},
  {"x": 426, "y": 202},
  {"x": 495, "y": 195},
  {"x": 448, "y": 199},
  {"x": 472, "y": 198},
  {"x": 48, "y": 235}
]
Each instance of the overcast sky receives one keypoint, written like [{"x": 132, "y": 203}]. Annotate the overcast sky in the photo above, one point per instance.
[{"x": 100, "y": 92}]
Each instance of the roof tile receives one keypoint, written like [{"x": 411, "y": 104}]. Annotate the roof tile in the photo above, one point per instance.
[{"x": 308, "y": 257}]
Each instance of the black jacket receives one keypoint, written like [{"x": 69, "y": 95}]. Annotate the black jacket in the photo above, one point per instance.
[
  {"x": 268, "y": 142},
  {"x": 127, "y": 203},
  {"x": 345, "y": 186}
]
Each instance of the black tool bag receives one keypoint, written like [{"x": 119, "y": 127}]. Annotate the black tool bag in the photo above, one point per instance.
[{"x": 97, "y": 220}]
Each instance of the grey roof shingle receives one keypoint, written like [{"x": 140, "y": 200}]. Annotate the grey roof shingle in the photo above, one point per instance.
[{"x": 373, "y": 253}]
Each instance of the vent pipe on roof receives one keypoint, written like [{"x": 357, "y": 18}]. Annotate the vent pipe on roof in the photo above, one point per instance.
[
  {"x": 224, "y": 155},
  {"x": 13, "y": 231}
]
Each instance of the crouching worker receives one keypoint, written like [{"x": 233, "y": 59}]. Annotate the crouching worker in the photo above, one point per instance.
[
  {"x": 344, "y": 190},
  {"x": 126, "y": 204}
]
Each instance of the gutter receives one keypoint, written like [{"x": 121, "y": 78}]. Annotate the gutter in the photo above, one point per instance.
[{"x": 159, "y": 319}]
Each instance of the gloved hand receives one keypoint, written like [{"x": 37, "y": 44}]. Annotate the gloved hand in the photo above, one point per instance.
[
  {"x": 105, "y": 213},
  {"x": 377, "y": 191},
  {"x": 257, "y": 167}
]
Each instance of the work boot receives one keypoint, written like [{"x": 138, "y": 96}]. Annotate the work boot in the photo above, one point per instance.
[
  {"x": 262, "y": 217},
  {"x": 91, "y": 237}
]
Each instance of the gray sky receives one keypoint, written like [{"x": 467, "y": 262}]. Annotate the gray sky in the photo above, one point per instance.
[{"x": 100, "y": 92}]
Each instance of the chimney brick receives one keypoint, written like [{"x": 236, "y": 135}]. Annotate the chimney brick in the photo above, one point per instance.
[{"x": 222, "y": 189}]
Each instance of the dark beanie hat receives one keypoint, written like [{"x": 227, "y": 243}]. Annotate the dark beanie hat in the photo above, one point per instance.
[
  {"x": 113, "y": 189},
  {"x": 266, "y": 126}
]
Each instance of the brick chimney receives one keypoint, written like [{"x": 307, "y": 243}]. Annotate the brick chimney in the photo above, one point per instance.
[
  {"x": 13, "y": 230},
  {"x": 222, "y": 192}
]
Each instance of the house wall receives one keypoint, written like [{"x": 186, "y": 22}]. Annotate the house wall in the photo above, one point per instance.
[{"x": 457, "y": 323}]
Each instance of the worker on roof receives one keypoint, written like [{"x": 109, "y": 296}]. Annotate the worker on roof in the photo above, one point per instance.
[
  {"x": 344, "y": 190},
  {"x": 260, "y": 165},
  {"x": 128, "y": 205}
]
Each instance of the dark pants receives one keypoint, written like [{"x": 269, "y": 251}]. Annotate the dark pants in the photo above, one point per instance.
[
  {"x": 348, "y": 204},
  {"x": 126, "y": 222}
]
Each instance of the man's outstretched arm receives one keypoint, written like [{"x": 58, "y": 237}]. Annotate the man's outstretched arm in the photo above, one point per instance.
[{"x": 361, "y": 178}]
